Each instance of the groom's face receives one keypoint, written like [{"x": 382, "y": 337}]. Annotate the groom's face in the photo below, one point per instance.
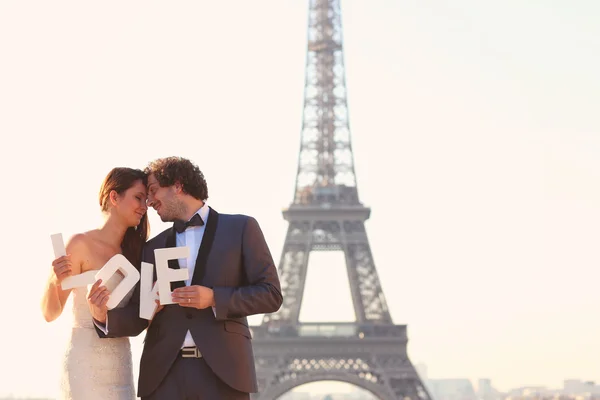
[{"x": 162, "y": 199}]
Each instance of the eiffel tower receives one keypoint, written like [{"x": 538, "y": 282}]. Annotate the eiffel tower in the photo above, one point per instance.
[{"x": 326, "y": 215}]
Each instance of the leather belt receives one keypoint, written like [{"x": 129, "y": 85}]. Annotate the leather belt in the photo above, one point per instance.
[{"x": 190, "y": 352}]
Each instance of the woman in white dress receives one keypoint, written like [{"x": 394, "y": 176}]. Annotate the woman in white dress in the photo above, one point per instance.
[{"x": 94, "y": 368}]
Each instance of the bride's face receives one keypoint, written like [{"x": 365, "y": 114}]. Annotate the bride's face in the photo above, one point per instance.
[{"x": 132, "y": 205}]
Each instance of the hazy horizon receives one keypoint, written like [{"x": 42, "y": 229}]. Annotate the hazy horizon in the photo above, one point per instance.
[{"x": 475, "y": 132}]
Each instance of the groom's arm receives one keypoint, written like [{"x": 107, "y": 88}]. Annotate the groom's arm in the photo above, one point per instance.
[
  {"x": 263, "y": 291},
  {"x": 124, "y": 321}
]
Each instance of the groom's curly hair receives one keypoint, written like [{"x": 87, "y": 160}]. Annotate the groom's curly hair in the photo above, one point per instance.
[{"x": 169, "y": 170}]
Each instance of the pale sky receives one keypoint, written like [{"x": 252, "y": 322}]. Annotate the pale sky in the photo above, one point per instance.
[{"x": 476, "y": 132}]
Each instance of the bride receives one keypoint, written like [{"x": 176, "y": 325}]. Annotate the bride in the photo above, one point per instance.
[{"x": 94, "y": 368}]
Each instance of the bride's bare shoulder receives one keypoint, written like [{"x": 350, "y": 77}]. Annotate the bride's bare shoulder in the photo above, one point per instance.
[{"x": 80, "y": 242}]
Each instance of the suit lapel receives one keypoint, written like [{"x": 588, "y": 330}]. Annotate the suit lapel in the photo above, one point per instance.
[
  {"x": 174, "y": 264},
  {"x": 207, "y": 242}
]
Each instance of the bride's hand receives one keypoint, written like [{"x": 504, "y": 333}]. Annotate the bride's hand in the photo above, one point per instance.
[
  {"x": 158, "y": 308},
  {"x": 97, "y": 299},
  {"x": 62, "y": 268}
]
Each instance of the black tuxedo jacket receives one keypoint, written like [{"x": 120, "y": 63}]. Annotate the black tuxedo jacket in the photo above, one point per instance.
[{"x": 234, "y": 260}]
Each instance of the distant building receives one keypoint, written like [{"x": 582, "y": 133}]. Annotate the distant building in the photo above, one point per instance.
[
  {"x": 485, "y": 390},
  {"x": 529, "y": 392},
  {"x": 451, "y": 389},
  {"x": 577, "y": 387}
]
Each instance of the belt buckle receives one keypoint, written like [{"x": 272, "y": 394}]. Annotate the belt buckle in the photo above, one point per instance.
[{"x": 190, "y": 352}]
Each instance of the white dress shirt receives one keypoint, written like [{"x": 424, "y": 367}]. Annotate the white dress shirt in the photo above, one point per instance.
[{"x": 192, "y": 237}]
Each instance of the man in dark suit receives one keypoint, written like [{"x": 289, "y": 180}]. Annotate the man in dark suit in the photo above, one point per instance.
[{"x": 200, "y": 347}]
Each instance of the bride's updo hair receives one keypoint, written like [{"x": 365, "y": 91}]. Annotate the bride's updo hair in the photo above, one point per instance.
[{"x": 120, "y": 179}]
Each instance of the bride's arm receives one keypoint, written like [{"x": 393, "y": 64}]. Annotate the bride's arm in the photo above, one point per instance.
[{"x": 54, "y": 298}]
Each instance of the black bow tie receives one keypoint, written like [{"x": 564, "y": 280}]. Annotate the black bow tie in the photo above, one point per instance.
[{"x": 181, "y": 226}]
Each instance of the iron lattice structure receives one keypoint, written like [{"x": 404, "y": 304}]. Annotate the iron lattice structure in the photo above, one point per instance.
[{"x": 326, "y": 215}]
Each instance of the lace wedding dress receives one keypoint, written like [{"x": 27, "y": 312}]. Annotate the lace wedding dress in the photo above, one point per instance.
[{"x": 95, "y": 368}]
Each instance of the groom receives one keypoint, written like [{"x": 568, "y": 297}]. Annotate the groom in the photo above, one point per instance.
[{"x": 199, "y": 347}]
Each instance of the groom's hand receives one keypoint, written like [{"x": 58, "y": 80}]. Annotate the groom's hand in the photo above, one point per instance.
[
  {"x": 196, "y": 296},
  {"x": 97, "y": 299}
]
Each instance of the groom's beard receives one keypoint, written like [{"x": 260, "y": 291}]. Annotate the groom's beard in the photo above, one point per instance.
[{"x": 169, "y": 212}]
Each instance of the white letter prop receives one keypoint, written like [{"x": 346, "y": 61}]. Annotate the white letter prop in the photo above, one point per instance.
[
  {"x": 58, "y": 245},
  {"x": 148, "y": 294},
  {"x": 83, "y": 279},
  {"x": 118, "y": 262},
  {"x": 166, "y": 275},
  {"x": 75, "y": 280}
]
